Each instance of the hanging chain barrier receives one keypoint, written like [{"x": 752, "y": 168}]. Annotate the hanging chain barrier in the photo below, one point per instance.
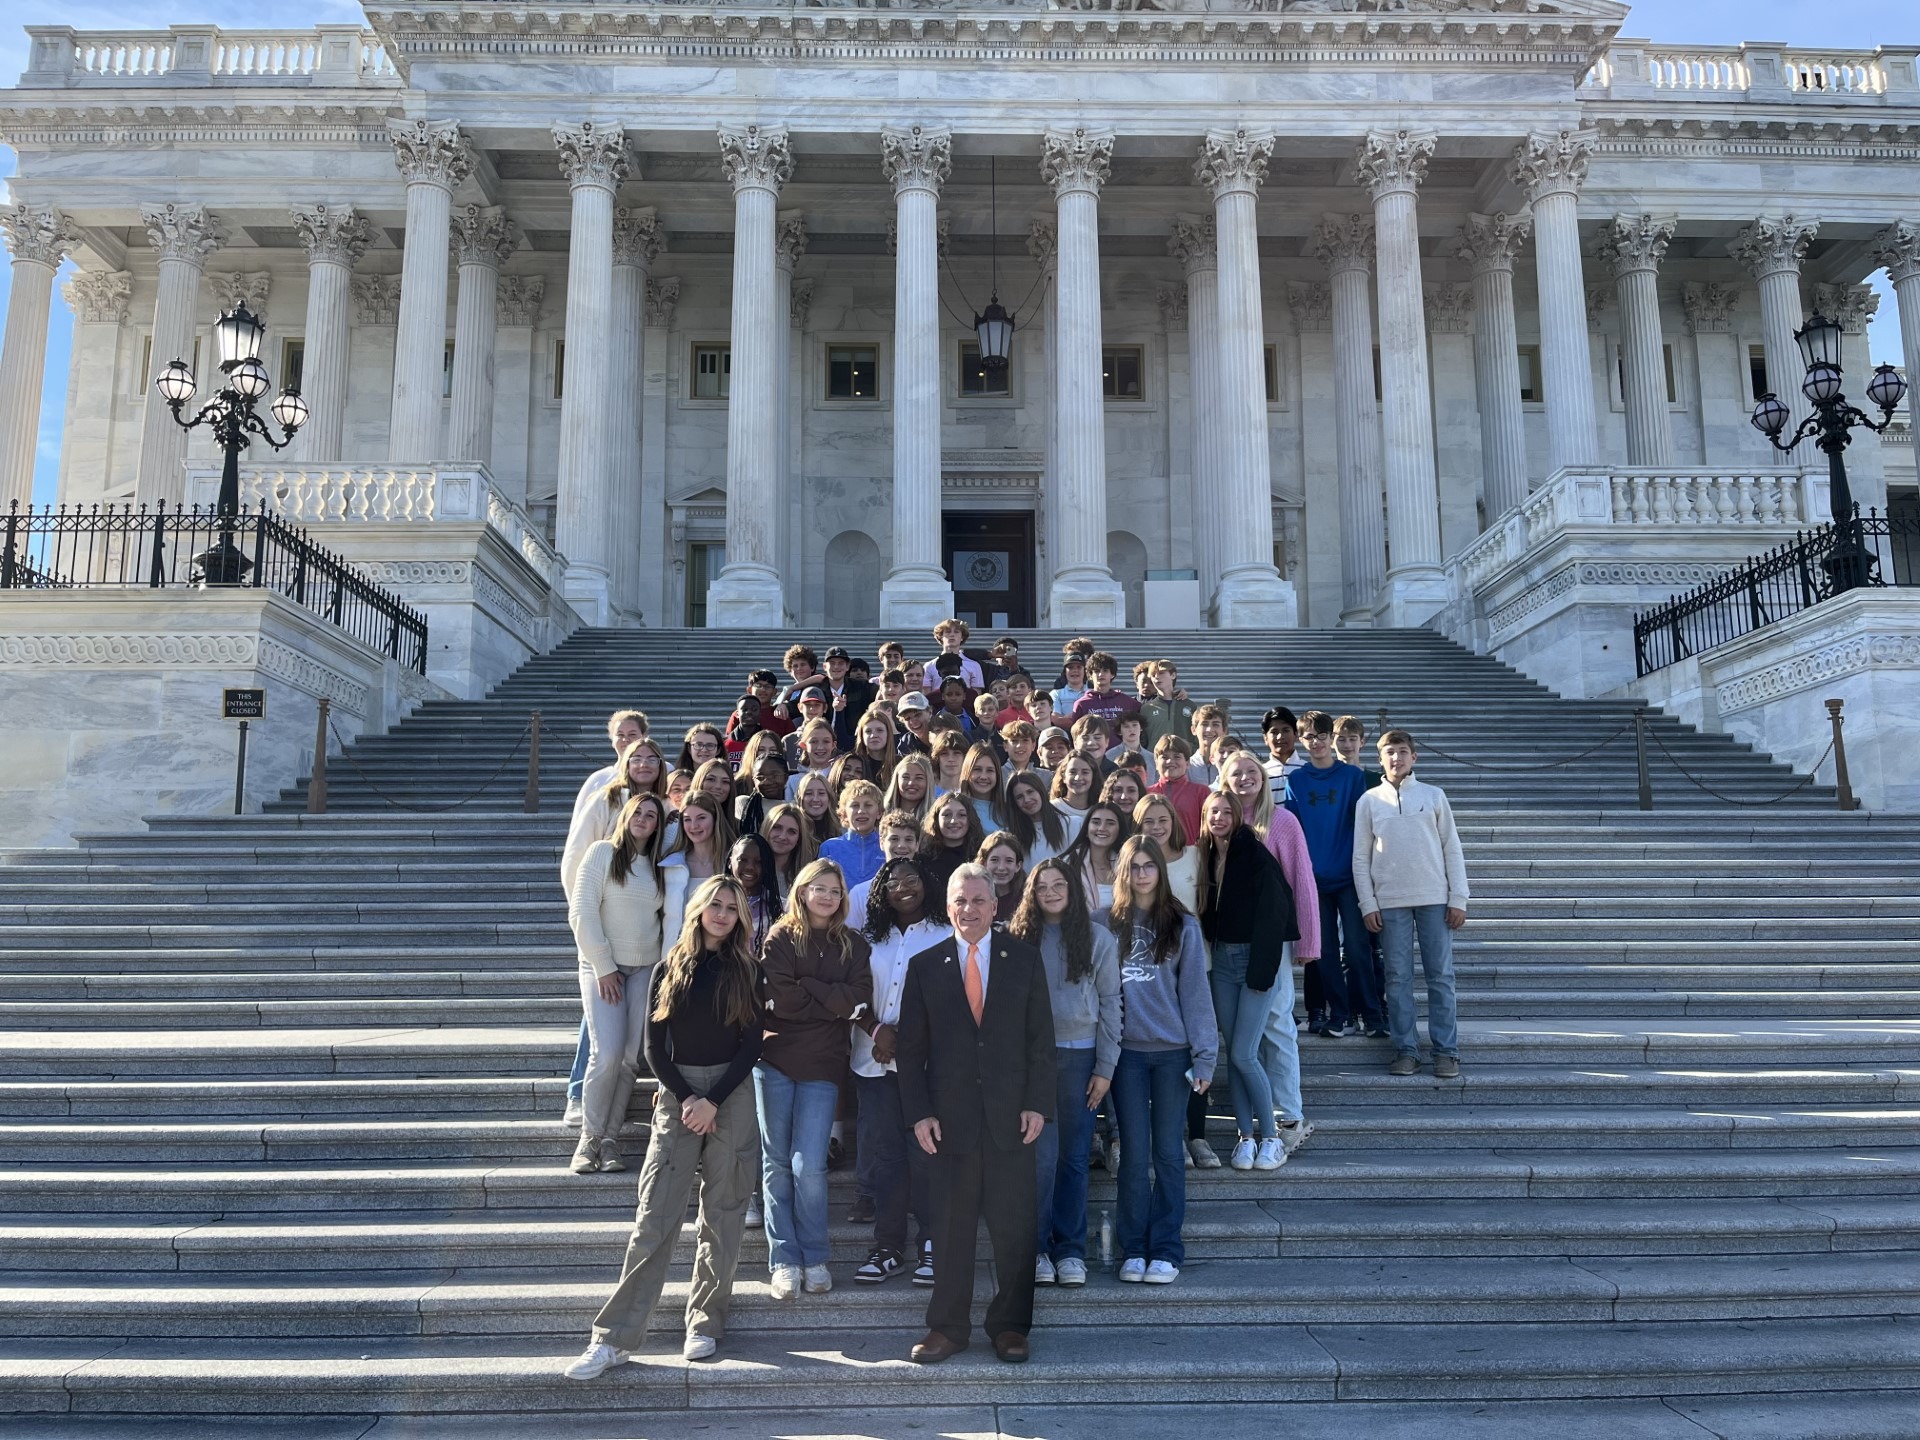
[
  {"x": 526, "y": 731},
  {"x": 1805, "y": 781},
  {"x": 1427, "y": 747}
]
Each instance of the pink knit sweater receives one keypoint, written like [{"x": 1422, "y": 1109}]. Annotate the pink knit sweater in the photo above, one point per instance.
[{"x": 1287, "y": 843}]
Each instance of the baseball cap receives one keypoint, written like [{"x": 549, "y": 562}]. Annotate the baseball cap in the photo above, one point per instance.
[
  {"x": 810, "y": 693},
  {"x": 1054, "y": 732},
  {"x": 838, "y": 652},
  {"x": 915, "y": 701}
]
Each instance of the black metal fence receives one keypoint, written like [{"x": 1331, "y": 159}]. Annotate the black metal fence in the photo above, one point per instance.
[
  {"x": 83, "y": 547},
  {"x": 1768, "y": 588}
]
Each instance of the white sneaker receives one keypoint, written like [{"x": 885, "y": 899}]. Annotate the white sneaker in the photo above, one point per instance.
[
  {"x": 595, "y": 1361},
  {"x": 1043, "y": 1272},
  {"x": 819, "y": 1280},
  {"x": 1200, "y": 1155},
  {"x": 1243, "y": 1155},
  {"x": 1294, "y": 1134},
  {"x": 1271, "y": 1156},
  {"x": 1070, "y": 1272},
  {"x": 755, "y": 1220},
  {"x": 1133, "y": 1271},
  {"x": 699, "y": 1347},
  {"x": 786, "y": 1281},
  {"x": 1162, "y": 1272},
  {"x": 576, "y": 1112}
]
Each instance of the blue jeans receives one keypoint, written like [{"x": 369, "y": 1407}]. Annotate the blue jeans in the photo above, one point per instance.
[
  {"x": 1280, "y": 1047},
  {"x": 1060, "y": 1158},
  {"x": 796, "y": 1121},
  {"x": 892, "y": 1165},
  {"x": 578, "y": 1079},
  {"x": 1150, "y": 1092},
  {"x": 1243, "y": 1021},
  {"x": 1350, "y": 989},
  {"x": 1397, "y": 933}
]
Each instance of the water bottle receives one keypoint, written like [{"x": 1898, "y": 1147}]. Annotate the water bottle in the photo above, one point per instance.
[{"x": 1106, "y": 1239}]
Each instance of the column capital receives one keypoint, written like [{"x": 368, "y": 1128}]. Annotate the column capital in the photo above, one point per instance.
[
  {"x": 1312, "y": 306},
  {"x": 182, "y": 232},
  {"x": 916, "y": 157},
  {"x": 100, "y": 296},
  {"x": 482, "y": 235},
  {"x": 1344, "y": 242},
  {"x": 637, "y": 236},
  {"x": 1172, "y": 300},
  {"x": 430, "y": 152},
  {"x": 756, "y": 157},
  {"x": 942, "y": 230},
  {"x": 1772, "y": 247},
  {"x": 663, "y": 294},
  {"x": 789, "y": 238},
  {"x": 1193, "y": 242},
  {"x": 1076, "y": 160},
  {"x": 1449, "y": 309},
  {"x": 1709, "y": 308},
  {"x": 1553, "y": 163},
  {"x": 1898, "y": 248},
  {"x": 1043, "y": 243},
  {"x": 1234, "y": 161},
  {"x": 38, "y": 233},
  {"x": 376, "y": 299},
  {"x": 1490, "y": 242},
  {"x": 1852, "y": 305},
  {"x": 1395, "y": 161},
  {"x": 234, "y": 288},
  {"x": 519, "y": 297},
  {"x": 332, "y": 234},
  {"x": 593, "y": 153},
  {"x": 1632, "y": 243}
]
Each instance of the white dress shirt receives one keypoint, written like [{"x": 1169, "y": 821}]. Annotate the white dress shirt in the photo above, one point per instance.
[{"x": 889, "y": 963}]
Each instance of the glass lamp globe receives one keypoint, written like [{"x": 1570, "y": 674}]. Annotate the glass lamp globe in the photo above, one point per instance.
[
  {"x": 238, "y": 335},
  {"x": 1770, "y": 416},
  {"x": 995, "y": 329},
  {"x": 175, "y": 383},
  {"x": 1822, "y": 385},
  {"x": 1819, "y": 341},
  {"x": 1887, "y": 388},
  {"x": 290, "y": 410},
  {"x": 250, "y": 378}
]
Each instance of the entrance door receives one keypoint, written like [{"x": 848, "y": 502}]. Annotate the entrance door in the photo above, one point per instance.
[{"x": 989, "y": 558}]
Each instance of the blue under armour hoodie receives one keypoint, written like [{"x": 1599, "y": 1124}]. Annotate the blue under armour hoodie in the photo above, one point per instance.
[{"x": 1323, "y": 801}]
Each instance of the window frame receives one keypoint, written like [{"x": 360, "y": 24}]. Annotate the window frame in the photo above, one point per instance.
[
  {"x": 1539, "y": 398},
  {"x": 724, "y": 374},
  {"x": 825, "y": 390},
  {"x": 985, "y": 399},
  {"x": 1139, "y": 348}
]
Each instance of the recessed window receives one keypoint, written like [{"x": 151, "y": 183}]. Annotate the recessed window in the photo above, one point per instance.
[
  {"x": 853, "y": 372},
  {"x": 559, "y": 369},
  {"x": 1270, "y": 362},
  {"x": 446, "y": 372},
  {"x": 293, "y": 363},
  {"x": 1531, "y": 390},
  {"x": 143, "y": 378},
  {"x": 1666, "y": 356},
  {"x": 1379, "y": 385},
  {"x": 712, "y": 372},
  {"x": 977, "y": 379},
  {"x": 1757, "y": 370},
  {"x": 1121, "y": 370}
]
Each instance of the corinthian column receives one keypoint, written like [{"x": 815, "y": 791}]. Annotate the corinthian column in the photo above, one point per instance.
[
  {"x": 1898, "y": 248},
  {"x": 637, "y": 241},
  {"x": 1551, "y": 169},
  {"x": 1489, "y": 243},
  {"x": 1773, "y": 250},
  {"x": 182, "y": 237},
  {"x": 1392, "y": 164},
  {"x": 1232, "y": 164},
  {"x": 40, "y": 239},
  {"x": 1044, "y": 246},
  {"x": 1193, "y": 244},
  {"x": 791, "y": 301},
  {"x": 1634, "y": 246},
  {"x": 748, "y": 592},
  {"x": 1344, "y": 244},
  {"x": 334, "y": 238},
  {"x": 434, "y": 159},
  {"x": 482, "y": 237},
  {"x": 1084, "y": 594},
  {"x": 917, "y": 593}
]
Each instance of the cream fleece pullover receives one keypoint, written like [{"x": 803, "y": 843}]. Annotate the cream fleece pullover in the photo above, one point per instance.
[{"x": 1406, "y": 851}]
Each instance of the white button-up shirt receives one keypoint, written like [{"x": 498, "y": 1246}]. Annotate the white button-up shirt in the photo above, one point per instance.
[{"x": 889, "y": 963}]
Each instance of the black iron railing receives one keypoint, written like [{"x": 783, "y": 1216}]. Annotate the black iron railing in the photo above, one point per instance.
[
  {"x": 80, "y": 547},
  {"x": 1768, "y": 588}
]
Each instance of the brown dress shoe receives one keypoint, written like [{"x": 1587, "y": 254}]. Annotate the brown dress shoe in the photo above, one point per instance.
[
  {"x": 935, "y": 1348},
  {"x": 1011, "y": 1347}
]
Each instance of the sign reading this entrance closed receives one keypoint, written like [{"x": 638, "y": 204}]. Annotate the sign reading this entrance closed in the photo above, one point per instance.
[{"x": 243, "y": 704}]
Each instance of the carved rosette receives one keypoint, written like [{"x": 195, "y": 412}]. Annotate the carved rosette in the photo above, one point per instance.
[
  {"x": 332, "y": 234},
  {"x": 1450, "y": 309},
  {"x": 593, "y": 154},
  {"x": 1709, "y": 308},
  {"x": 789, "y": 238},
  {"x": 430, "y": 152},
  {"x": 1194, "y": 242},
  {"x": 1172, "y": 300},
  {"x": 251, "y": 289},
  {"x": 1898, "y": 248},
  {"x": 1770, "y": 247},
  {"x": 182, "y": 232},
  {"x": 756, "y": 157},
  {"x": 1490, "y": 242},
  {"x": 637, "y": 236},
  {"x": 916, "y": 158},
  {"x": 481, "y": 235},
  {"x": 100, "y": 296},
  {"x": 663, "y": 294},
  {"x": 1553, "y": 164},
  {"x": 1344, "y": 242},
  {"x": 38, "y": 233},
  {"x": 1076, "y": 160},
  {"x": 800, "y": 303},
  {"x": 376, "y": 299},
  {"x": 519, "y": 297},
  {"x": 1233, "y": 161},
  {"x": 1631, "y": 243},
  {"x": 1312, "y": 306},
  {"x": 1852, "y": 305},
  {"x": 1042, "y": 242},
  {"x": 1394, "y": 161}
]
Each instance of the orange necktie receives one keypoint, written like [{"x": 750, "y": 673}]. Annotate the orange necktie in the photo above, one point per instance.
[{"x": 976, "y": 992}]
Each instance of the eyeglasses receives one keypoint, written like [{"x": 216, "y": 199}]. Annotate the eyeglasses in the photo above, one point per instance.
[{"x": 1142, "y": 867}]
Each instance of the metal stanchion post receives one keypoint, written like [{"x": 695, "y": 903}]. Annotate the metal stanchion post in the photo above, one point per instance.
[
  {"x": 1383, "y": 722},
  {"x": 532, "y": 803},
  {"x": 1640, "y": 755},
  {"x": 317, "y": 786},
  {"x": 1841, "y": 783},
  {"x": 240, "y": 774}
]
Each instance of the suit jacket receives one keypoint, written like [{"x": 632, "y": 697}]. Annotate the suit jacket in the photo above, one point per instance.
[
  {"x": 976, "y": 1079},
  {"x": 859, "y": 696}
]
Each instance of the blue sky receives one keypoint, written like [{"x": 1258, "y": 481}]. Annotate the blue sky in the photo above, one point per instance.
[{"x": 1841, "y": 24}]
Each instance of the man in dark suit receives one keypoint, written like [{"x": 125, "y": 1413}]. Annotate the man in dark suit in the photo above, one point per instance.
[{"x": 975, "y": 1050}]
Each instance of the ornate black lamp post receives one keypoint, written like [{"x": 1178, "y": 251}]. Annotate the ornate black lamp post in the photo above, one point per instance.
[
  {"x": 1831, "y": 426},
  {"x": 230, "y": 413}
]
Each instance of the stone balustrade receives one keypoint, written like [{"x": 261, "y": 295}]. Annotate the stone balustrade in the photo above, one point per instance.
[
  {"x": 206, "y": 55},
  {"x": 1636, "y": 69}
]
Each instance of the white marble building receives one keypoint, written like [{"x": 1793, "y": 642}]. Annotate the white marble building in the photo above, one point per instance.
[{"x": 1309, "y": 294}]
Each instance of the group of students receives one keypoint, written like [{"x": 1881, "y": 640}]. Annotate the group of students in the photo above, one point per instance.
[{"x": 746, "y": 918}]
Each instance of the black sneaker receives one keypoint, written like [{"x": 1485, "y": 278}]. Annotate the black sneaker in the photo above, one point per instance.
[
  {"x": 1378, "y": 1032},
  {"x": 880, "y": 1266},
  {"x": 923, "y": 1272},
  {"x": 836, "y": 1154},
  {"x": 861, "y": 1211}
]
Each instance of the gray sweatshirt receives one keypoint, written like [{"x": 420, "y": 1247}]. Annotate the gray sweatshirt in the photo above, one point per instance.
[
  {"x": 1086, "y": 1009},
  {"x": 1167, "y": 1006}
]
